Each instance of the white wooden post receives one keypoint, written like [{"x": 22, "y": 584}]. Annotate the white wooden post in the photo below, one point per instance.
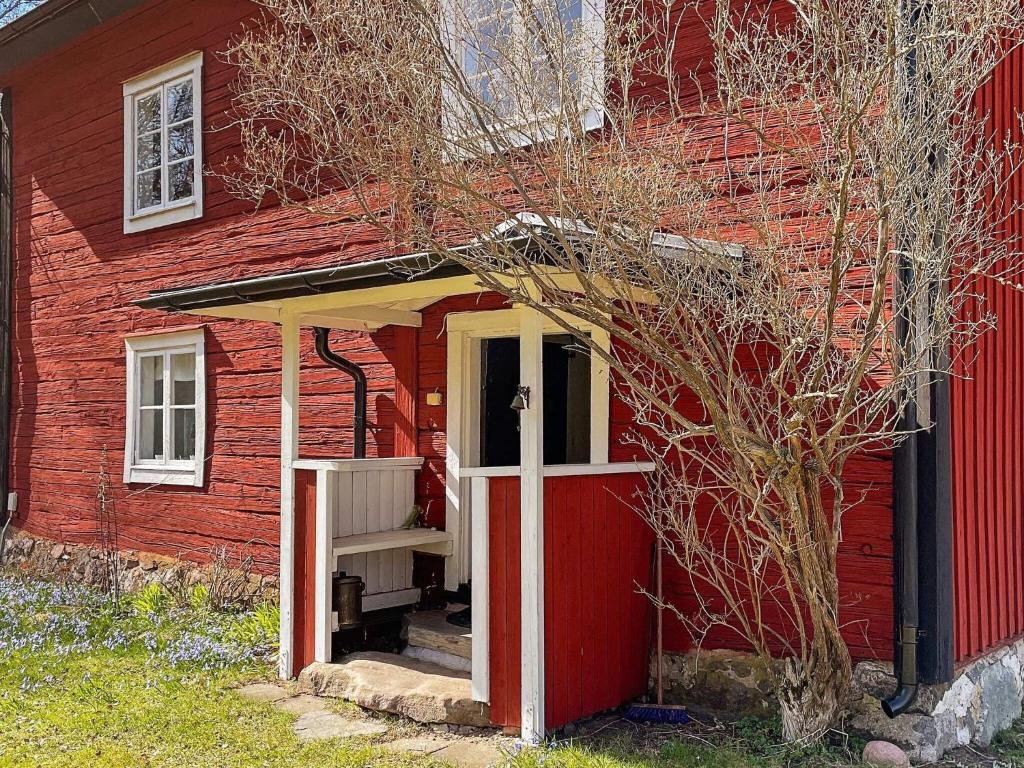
[
  {"x": 453, "y": 454},
  {"x": 531, "y": 437},
  {"x": 481, "y": 591},
  {"x": 289, "y": 452},
  {"x": 600, "y": 399},
  {"x": 326, "y": 501}
]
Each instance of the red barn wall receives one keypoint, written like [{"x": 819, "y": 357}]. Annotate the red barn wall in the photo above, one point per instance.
[
  {"x": 987, "y": 399},
  {"x": 77, "y": 274}
]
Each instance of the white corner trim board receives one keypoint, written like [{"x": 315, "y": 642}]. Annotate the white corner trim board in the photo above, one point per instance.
[{"x": 289, "y": 451}]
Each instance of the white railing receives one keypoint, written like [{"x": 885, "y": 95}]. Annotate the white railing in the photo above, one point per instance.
[{"x": 362, "y": 506}]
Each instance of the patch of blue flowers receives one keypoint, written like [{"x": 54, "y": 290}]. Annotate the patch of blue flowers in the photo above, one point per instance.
[{"x": 39, "y": 617}]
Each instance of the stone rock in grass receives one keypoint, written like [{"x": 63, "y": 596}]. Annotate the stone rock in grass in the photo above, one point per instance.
[
  {"x": 470, "y": 754},
  {"x": 420, "y": 745},
  {"x": 883, "y": 754},
  {"x": 327, "y": 725},
  {"x": 302, "y": 704},
  {"x": 263, "y": 692}
]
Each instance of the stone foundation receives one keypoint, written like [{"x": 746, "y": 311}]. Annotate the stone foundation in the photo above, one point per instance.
[
  {"x": 134, "y": 570},
  {"x": 983, "y": 699}
]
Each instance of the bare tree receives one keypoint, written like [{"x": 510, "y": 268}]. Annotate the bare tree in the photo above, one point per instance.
[
  {"x": 12, "y": 9},
  {"x": 783, "y": 241}
]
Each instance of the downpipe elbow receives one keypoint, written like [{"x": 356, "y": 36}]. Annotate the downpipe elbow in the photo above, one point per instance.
[
  {"x": 906, "y": 688},
  {"x": 902, "y": 700}
]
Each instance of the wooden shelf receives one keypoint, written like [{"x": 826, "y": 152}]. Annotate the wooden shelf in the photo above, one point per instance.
[{"x": 420, "y": 539}]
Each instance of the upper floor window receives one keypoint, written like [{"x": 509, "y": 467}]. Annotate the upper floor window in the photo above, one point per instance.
[
  {"x": 527, "y": 64},
  {"x": 163, "y": 173},
  {"x": 165, "y": 434}
]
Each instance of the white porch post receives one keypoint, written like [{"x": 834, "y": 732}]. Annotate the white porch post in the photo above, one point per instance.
[
  {"x": 289, "y": 452},
  {"x": 481, "y": 657},
  {"x": 325, "y": 504},
  {"x": 531, "y": 437},
  {"x": 453, "y": 454}
]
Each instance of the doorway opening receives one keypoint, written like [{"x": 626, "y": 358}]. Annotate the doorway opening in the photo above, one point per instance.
[{"x": 567, "y": 384}]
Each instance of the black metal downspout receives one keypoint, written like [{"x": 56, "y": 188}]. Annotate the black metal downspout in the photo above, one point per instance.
[
  {"x": 922, "y": 499},
  {"x": 323, "y": 349},
  {"x": 905, "y": 500},
  {"x": 6, "y": 299}
]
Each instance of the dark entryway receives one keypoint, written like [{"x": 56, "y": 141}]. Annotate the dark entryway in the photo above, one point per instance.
[{"x": 566, "y": 401}]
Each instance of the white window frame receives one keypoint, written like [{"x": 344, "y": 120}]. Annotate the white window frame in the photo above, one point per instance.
[
  {"x": 167, "y": 213},
  {"x": 537, "y": 128},
  {"x": 164, "y": 472}
]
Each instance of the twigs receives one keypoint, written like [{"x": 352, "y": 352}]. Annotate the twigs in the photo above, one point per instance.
[{"x": 737, "y": 227}]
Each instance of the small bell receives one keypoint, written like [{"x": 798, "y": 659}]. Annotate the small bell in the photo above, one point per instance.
[{"x": 522, "y": 399}]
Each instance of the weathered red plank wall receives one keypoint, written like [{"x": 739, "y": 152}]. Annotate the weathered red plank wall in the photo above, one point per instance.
[
  {"x": 597, "y": 556},
  {"x": 988, "y": 425},
  {"x": 77, "y": 274},
  {"x": 865, "y": 558}
]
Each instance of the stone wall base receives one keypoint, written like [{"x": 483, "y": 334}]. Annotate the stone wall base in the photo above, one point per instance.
[
  {"x": 983, "y": 699},
  {"x": 134, "y": 570}
]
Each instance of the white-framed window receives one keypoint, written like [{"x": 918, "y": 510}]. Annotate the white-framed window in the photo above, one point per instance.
[
  {"x": 165, "y": 430},
  {"x": 501, "y": 45},
  {"x": 163, "y": 146}
]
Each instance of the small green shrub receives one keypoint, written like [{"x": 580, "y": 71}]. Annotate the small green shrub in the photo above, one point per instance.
[
  {"x": 260, "y": 628},
  {"x": 151, "y": 600}
]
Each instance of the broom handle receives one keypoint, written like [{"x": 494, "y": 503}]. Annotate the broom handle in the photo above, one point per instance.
[{"x": 658, "y": 590}]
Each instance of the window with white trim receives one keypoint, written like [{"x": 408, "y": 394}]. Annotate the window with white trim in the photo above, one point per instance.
[
  {"x": 163, "y": 173},
  {"x": 166, "y": 409},
  {"x": 503, "y": 44}
]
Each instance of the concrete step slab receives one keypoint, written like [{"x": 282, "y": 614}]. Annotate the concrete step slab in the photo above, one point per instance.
[{"x": 386, "y": 682}]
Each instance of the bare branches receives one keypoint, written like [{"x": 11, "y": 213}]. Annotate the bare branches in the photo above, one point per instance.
[{"x": 749, "y": 202}]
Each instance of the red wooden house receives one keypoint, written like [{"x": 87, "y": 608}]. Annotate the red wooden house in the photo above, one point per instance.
[{"x": 159, "y": 321}]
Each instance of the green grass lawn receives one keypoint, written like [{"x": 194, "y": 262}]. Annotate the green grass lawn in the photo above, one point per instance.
[{"x": 149, "y": 683}]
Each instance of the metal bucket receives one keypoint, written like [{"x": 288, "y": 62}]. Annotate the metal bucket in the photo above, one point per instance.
[{"x": 347, "y": 592}]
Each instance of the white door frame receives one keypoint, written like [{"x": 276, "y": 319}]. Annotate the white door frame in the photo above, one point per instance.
[{"x": 466, "y": 489}]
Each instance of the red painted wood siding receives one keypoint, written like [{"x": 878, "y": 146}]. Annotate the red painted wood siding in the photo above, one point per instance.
[
  {"x": 988, "y": 427},
  {"x": 505, "y": 608},
  {"x": 304, "y": 584},
  {"x": 77, "y": 274},
  {"x": 597, "y": 554}
]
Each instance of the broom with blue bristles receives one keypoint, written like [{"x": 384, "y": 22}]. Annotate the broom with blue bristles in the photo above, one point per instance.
[{"x": 659, "y": 712}]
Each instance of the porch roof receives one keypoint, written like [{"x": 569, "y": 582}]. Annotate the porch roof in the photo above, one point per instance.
[
  {"x": 398, "y": 270},
  {"x": 364, "y": 296}
]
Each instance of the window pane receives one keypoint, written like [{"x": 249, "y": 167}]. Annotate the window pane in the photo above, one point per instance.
[
  {"x": 184, "y": 434},
  {"x": 147, "y": 114},
  {"x": 152, "y": 380},
  {"x": 181, "y": 178},
  {"x": 490, "y": 53},
  {"x": 183, "y": 379},
  {"x": 179, "y": 102},
  {"x": 147, "y": 152},
  {"x": 570, "y": 12},
  {"x": 151, "y": 435},
  {"x": 180, "y": 142},
  {"x": 147, "y": 189}
]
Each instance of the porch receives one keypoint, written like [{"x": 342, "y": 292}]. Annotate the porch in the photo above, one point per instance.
[{"x": 541, "y": 533}]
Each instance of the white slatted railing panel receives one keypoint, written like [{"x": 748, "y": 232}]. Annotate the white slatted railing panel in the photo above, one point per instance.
[{"x": 371, "y": 501}]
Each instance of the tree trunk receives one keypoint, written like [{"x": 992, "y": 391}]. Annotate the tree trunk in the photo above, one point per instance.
[{"x": 812, "y": 695}]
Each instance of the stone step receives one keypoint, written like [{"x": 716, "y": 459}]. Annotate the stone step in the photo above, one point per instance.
[
  {"x": 430, "y": 630},
  {"x": 387, "y": 682}
]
